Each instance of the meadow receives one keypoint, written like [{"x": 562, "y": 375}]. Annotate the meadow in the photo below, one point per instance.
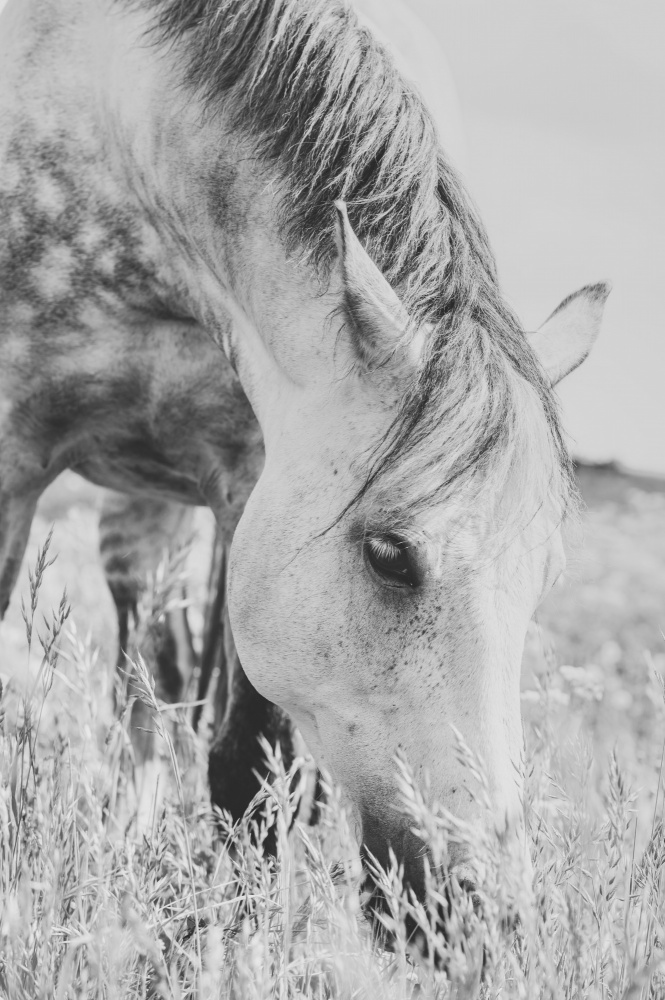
[{"x": 92, "y": 907}]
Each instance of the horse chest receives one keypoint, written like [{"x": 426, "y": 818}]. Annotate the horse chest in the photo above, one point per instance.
[
  {"x": 153, "y": 408},
  {"x": 176, "y": 424}
]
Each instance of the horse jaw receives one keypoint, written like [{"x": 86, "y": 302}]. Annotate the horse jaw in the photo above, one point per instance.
[{"x": 564, "y": 340}]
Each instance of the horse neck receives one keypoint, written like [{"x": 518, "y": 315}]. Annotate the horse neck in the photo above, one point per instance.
[
  {"x": 215, "y": 208},
  {"x": 205, "y": 209}
]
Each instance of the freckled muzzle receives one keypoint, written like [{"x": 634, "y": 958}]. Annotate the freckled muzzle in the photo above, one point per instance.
[
  {"x": 380, "y": 839},
  {"x": 449, "y": 918},
  {"x": 412, "y": 856}
]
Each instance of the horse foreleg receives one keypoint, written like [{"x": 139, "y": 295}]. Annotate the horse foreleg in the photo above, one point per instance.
[
  {"x": 237, "y": 766},
  {"x": 137, "y": 534},
  {"x": 213, "y": 654},
  {"x": 16, "y": 512}
]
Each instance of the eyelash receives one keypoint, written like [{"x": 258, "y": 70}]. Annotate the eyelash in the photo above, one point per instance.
[
  {"x": 390, "y": 561},
  {"x": 382, "y": 547}
]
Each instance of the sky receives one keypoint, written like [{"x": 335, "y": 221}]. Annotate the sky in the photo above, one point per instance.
[{"x": 563, "y": 106}]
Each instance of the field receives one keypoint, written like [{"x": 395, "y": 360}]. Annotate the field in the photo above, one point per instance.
[{"x": 92, "y": 907}]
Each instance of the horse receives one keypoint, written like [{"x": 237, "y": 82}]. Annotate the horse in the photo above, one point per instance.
[{"x": 238, "y": 269}]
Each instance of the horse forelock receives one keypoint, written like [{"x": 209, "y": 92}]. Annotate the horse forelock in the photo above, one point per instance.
[{"x": 323, "y": 103}]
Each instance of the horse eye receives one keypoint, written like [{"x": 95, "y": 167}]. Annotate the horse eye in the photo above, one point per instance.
[{"x": 390, "y": 559}]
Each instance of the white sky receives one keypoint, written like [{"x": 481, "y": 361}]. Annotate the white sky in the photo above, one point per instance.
[{"x": 564, "y": 108}]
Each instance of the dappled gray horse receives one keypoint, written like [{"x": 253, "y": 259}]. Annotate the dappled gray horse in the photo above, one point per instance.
[{"x": 227, "y": 222}]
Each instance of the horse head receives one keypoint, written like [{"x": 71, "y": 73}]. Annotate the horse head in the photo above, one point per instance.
[{"x": 382, "y": 597}]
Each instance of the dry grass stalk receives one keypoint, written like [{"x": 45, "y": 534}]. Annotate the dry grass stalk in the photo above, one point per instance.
[{"x": 88, "y": 910}]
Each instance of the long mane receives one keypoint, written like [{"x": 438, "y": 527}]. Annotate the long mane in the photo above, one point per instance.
[{"x": 325, "y": 106}]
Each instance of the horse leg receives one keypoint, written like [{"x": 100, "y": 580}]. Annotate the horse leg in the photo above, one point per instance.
[
  {"x": 136, "y": 535},
  {"x": 22, "y": 481},
  {"x": 213, "y": 653},
  {"x": 237, "y": 767},
  {"x": 16, "y": 513}
]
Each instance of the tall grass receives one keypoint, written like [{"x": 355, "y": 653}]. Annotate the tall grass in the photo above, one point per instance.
[{"x": 90, "y": 907}]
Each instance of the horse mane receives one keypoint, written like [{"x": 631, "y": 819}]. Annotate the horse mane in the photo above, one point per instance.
[{"x": 323, "y": 103}]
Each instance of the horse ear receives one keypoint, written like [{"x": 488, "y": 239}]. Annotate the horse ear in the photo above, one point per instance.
[
  {"x": 565, "y": 339},
  {"x": 378, "y": 320}
]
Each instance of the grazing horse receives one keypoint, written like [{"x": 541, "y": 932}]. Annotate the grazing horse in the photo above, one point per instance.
[{"x": 227, "y": 222}]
